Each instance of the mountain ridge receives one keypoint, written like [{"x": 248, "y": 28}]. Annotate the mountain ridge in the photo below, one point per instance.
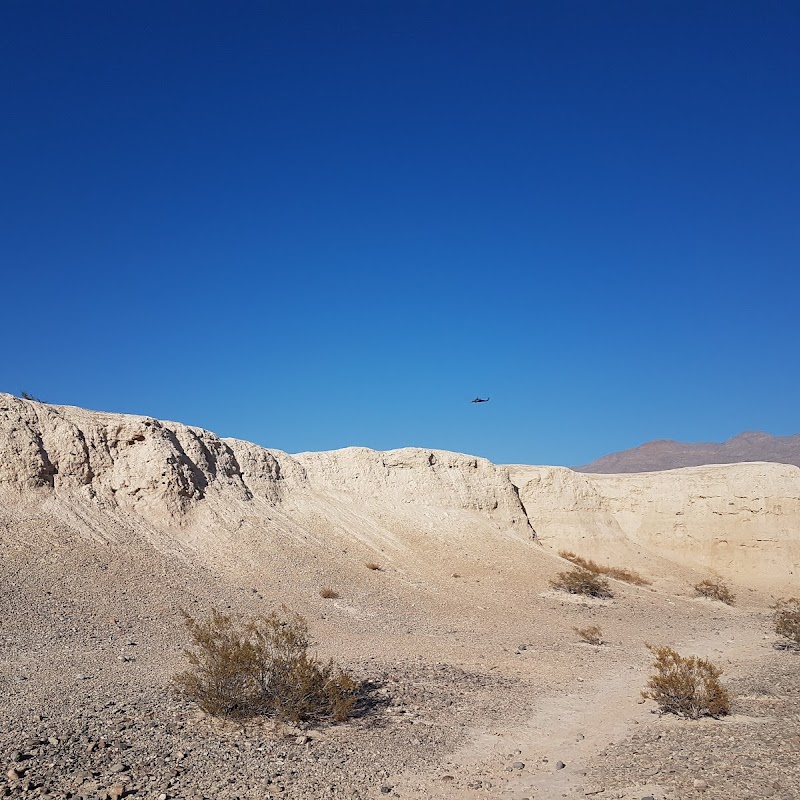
[{"x": 658, "y": 455}]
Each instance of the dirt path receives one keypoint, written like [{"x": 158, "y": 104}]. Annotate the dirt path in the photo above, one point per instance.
[{"x": 569, "y": 730}]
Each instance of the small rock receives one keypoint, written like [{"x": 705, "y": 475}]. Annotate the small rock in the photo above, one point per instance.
[
  {"x": 699, "y": 783},
  {"x": 116, "y": 791},
  {"x": 116, "y": 768},
  {"x": 13, "y": 775},
  {"x": 386, "y": 789},
  {"x": 518, "y": 765},
  {"x": 560, "y": 765}
]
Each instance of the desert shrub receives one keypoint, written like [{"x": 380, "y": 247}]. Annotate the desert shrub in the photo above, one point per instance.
[
  {"x": 27, "y": 396},
  {"x": 686, "y": 686},
  {"x": 374, "y": 566},
  {"x": 786, "y": 621},
  {"x": 328, "y": 593},
  {"x": 262, "y": 667},
  {"x": 593, "y": 634},
  {"x": 582, "y": 581},
  {"x": 715, "y": 590},
  {"x": 618, "y": 573}
]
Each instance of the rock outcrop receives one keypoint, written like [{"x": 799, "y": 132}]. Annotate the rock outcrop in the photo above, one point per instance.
[
  {"x": 738, "y": 520},
  {"x": 184, "y": 488}
]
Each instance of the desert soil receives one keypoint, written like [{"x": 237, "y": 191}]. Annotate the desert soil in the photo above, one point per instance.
[
  {"x": 475, "y": 683},
  {"x": 484, "y": 705}
]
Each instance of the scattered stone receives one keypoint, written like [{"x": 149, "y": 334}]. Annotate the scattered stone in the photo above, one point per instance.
[
  {"x": 518, "y": 765},
  {"x": 560, "y": 765}
]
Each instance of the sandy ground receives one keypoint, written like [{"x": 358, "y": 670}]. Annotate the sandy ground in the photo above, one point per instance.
[{"x": 468, "y": 697}]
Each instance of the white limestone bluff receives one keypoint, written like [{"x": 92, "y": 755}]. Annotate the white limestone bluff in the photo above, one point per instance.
[{"x": 112, "y": 476}]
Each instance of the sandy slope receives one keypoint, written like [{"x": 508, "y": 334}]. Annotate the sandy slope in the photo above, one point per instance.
[{"x": 109, "y": 524}]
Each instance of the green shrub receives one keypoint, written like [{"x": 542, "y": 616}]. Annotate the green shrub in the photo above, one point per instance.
[
  {"x": 715, "y": 590},
  {"x": 262, "y": 667},
  {"x": 688, "y": 687},
  {"x": 582, "y": 581}
]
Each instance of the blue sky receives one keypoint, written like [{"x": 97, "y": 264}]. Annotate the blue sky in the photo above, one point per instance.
[{"x": 314, "y": 225}]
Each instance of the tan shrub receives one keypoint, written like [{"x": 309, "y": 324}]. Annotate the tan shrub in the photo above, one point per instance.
[
  {"x": 328, "y": 593},
  {"x": 715, "y": 590},
  {"x": 688, "y": 687},
  {"x": 593, "y": 634},
  {"x": 786, "y": 621},
  {"x": 582, "y": 581},
  {"x": 618, "y": 573},
  {"x": 262, "y": 667}
]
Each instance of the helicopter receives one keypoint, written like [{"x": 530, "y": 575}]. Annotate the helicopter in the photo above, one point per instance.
[{"x": 481, "y": 400}]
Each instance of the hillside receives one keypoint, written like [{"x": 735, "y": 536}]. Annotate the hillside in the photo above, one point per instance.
[
  {"x": 232, "y": 503},
  {"x": 111, "y": 524},
  {"x": 663, "y": 454}
]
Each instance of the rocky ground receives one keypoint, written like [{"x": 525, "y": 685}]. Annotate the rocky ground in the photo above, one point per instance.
[
  {"x": 89, "y": 712},
  {"x": 148, "y": 743}
]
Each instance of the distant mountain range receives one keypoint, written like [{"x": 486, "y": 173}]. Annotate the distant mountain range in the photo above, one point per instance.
[{"x": 661, "y": 454}]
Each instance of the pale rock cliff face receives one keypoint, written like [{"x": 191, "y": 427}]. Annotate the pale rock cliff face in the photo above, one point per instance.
[
  {"x": 189, "y": 481},
  {"x": 415, "y": 477},
  {"x": 739, "y": 520},
  {"x": 185, "y": 488}
]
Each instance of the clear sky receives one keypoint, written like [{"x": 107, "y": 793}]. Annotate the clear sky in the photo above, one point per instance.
[{"x": 315, "y": 225}]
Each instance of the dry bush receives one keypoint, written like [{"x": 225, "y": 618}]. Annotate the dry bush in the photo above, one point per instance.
[
  {"x": 618, "y": 573},
  {"x": 374, "y": 566},
  {"x": 328, "y": 593},
  {"x": 582, "y": 581},
  {"x": 593, "y": 634},
  {"x": 715, "y": 590},
  {"x": 786, "y": 621},
  {"x": 262, "y": 667},
  {"x": 688, "y": 687}
]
